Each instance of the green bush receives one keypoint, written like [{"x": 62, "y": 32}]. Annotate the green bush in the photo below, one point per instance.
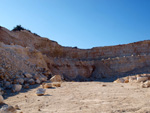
[{"x": 18, "y": 28}]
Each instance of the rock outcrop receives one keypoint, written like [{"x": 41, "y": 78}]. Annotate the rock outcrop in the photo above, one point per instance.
[{"x": 38, "y": 59}]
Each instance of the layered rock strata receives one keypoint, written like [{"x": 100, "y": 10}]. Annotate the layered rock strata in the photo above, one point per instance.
[{"x": 72, "y": 63}]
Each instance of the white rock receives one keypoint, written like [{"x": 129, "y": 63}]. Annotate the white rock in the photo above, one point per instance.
[
  {"x": 1, "y": 99},
  {"x": 40, "y": 91},
  {"x": 142, "y": 79},
  {"x": 132, "y": 79}
]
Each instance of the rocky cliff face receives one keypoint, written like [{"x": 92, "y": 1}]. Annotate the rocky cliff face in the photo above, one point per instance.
[{"x": 72, "y": 63}]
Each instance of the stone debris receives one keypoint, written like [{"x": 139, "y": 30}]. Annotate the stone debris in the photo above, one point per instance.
[
  {"x": 40, "y": 92},
  {"x": 144, "y": 79}
]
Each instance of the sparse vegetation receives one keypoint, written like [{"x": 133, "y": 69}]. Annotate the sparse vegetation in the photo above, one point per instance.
[{"x": 19, "y": 28}]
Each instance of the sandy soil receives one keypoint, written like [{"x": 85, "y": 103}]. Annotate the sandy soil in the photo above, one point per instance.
[{"x": 85, "y": 97}]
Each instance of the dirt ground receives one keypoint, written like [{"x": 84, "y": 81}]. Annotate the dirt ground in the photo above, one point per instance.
[{"x": 85, "y": 97}]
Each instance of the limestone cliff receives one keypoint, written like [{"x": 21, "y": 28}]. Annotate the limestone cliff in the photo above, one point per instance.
[{"x": 74, "y": 63}]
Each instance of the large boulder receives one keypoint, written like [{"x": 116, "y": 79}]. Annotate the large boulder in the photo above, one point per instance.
[{"x": 56, "y": 78}]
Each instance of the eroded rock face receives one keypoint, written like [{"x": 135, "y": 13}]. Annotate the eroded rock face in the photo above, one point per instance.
[{"x": 43, "y": 55}]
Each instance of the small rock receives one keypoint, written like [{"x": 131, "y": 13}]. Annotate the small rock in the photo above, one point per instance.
[
  {"x": 55, "y": 84},
  {"x": 17, "y": 76},
  {"x": 8, "y": 109},
  {"x": 56, "y": 78},
  {"x": 47, "y": 85},
  {"x": 103, "y": 85},
  {"x": 1, "y": 91},
  {"x": 132, "y": 79},
  {"x": 40, "y": 92},
  {"x": 17, "y": 107},
  {"x": 38, "y": 81},
  {"x": 28, "y": 75},
  {"x": 119, "y": 80},
  {"x": 31, "y": 81},
  {"x": 17, "y": 88},
  {"x": 126, "y": 81},
  {"x": 144, "y": 86},
  {"x": 43, "y": 78},
  {"x": 1, "y": 99},
  {"x": 8, "y": 85},
  {"x": 147, "y": 83},
  {"x": 26, "y": 86},
  {"x": 20, "y": 80}
]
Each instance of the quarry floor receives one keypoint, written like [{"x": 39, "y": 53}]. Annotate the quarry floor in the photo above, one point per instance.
[{"x": 85, "y": 97}]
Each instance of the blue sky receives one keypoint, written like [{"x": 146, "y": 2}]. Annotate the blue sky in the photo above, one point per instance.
[{"x": 81, "y": 23}]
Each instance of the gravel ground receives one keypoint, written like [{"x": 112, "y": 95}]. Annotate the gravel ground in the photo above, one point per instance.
[{"x": 84, "y": 97}]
